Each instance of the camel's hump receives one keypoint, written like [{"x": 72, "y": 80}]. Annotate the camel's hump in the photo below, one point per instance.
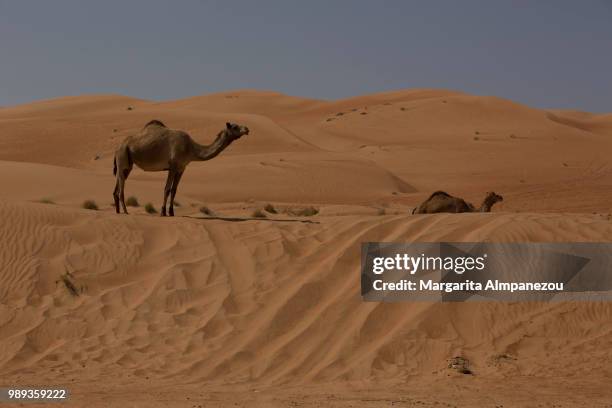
[
  {"x": 442, "y": 193},
  {"x": 155, "y": 122}
]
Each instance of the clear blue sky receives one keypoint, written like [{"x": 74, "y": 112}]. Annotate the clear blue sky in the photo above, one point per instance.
[{"x": 545, "y": 53}]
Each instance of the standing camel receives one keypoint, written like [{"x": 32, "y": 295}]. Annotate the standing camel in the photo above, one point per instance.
[
  {"x": 442, "y": 202},
  {"x": 158, "y": 148}
]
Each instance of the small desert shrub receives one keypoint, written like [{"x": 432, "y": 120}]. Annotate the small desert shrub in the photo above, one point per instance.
[
  {"x": 270, "y": 208},
  {"x": 303, "y": 211},
  {"x": 132, "y": 202},
  {"x": 69, "y": 284},
  {"x": 476, "y": 138},
  {"x": 460, "y": 364},
  {"x": 150, "y": 208},
  {"x": 502, "y": 357},
  {"x": 258, "y": 214},
  {"x": 381, "y": 211},
  {"x": 46, "y": 201},
  {"x": 130, "y": 108},
  {"x": 363, "y": 113},
  {"x": 90, "y": 205},
  {"x": 206, "y": 211}
]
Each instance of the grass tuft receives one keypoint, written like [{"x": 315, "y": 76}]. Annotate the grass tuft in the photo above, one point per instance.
[
  {"x": 150, "y": 208},
  {"x": 90, "y": 205},
  {"x": 67, "y": 280},
  {"x": 132, "y": 202},
  {"x": 303, "y": 211},
  {"x": 258, "y": 214},
  {"x": 207, "y": 211},
  {"x": 270, "y": 208}
]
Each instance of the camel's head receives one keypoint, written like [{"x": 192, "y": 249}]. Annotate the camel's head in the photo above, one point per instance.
[
  {"x": 235, "y": 131},
  {"x": 493, "y": 198}
]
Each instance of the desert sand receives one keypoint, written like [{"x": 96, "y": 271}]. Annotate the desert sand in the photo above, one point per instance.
[{"x": 228, "y": 309}]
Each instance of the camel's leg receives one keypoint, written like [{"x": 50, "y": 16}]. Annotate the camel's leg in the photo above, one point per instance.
[
  {"x": 167, "y": 189},
  {"x": 116, "y": 196},
  {"x": 123, "y": 166},
  {"x": 121, "y": 181},
  {"x": 121, "y": 187},
  {"x": 175, "y": 183}
]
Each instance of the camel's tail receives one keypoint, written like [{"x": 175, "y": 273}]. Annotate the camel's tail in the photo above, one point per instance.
[{"x": 115, "y": 166}]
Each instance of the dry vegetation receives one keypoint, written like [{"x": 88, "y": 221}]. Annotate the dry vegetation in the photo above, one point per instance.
[
  {"x": 132, "y": 202},
  {"x": 258, "y": 213},
  {"x": 270, "y": 208},
  {"x": 150, "y": 208},
  {"x": 307, "y": 211},
  {"x": 207, "y": 211},
  {"x": 90, "y": 205}
]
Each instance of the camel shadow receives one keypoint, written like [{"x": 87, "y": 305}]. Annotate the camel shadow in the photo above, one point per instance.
[{"x": 241, "y": 219}]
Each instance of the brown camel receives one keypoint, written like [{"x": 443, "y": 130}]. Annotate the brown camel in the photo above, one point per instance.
[
  {"x": 442, "y": 202},
  {"x": 158, "y": 148}
]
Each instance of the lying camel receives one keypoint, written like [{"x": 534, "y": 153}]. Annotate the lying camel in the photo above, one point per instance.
[
  {"x": 158, "y": 148},
  {"x": 442, "y": 202}
]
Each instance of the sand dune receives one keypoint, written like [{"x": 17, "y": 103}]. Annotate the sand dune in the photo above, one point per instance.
[
  {"x": 229, "y": 310},
  {"x": 267, "y": 303}
]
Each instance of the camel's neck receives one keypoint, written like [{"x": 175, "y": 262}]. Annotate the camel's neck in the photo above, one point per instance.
[
  {"x": 486, "y": 205},
  {"x": 207, "y": 152}
]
